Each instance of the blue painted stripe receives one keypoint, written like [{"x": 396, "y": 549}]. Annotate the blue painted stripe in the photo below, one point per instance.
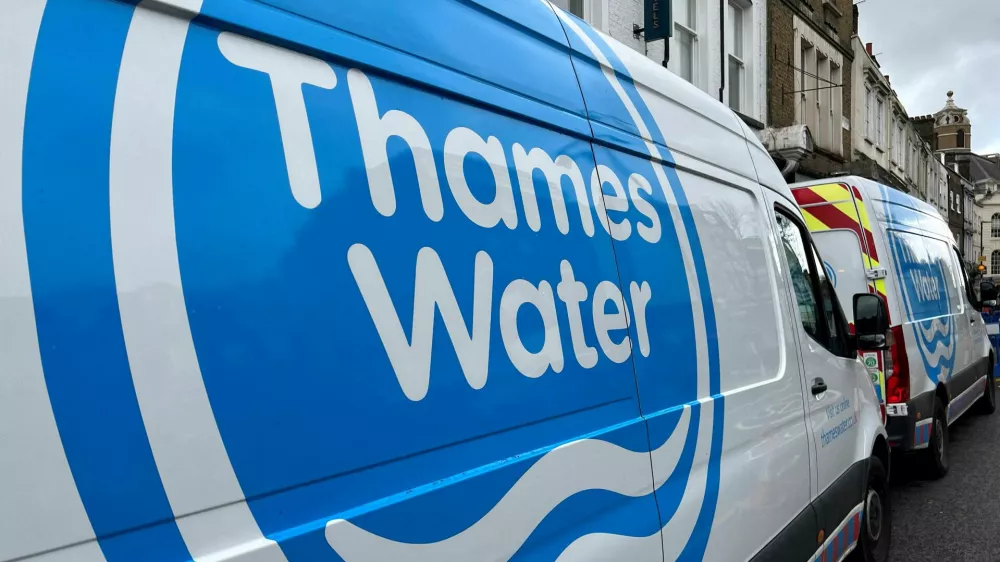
[
  {"x": 66, "y": 215},
  {"x": 699, "y": 538}
]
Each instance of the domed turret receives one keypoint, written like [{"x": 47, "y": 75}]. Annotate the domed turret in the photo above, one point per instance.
[{"x": 952, "y": 129}]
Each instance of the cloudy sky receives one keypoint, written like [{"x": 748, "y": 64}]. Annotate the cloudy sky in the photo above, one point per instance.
[{"x": 931, "y": 46}]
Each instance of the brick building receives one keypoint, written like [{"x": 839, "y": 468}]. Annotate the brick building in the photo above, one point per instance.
[{"x": 809, "y": 63}]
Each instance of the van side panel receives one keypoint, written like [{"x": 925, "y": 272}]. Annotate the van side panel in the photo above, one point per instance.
[
  {"x": 925, "y": 285},
  {"x": 738, "y": 284},
  {"x": 298, "y": 296},
  {"x": 497, "y": 438},
  {"x": 65, "y": 206},
  {"x": 932, "y": 301},
  {"x": 944, "y": 339},
  {"x": 42, "y": 508},
  {"x": 662, "y": 234}
]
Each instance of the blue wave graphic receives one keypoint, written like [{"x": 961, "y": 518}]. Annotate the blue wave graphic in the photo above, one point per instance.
[{"x": 534, "y": 502}]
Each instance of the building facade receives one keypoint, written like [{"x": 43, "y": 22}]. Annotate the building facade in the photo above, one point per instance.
[
  {"x": 989, "y": 237},
  {"x": 973, "y": 180},
  {"x": 956, "y": 211},
  {"x": 874, "y": 138},
  {"x": 809, "y": 62},
  {"x": 971, "y": 215},
  {"x": 717, "y": 46},
  {"x": 889, "y": 147},
  {"x": 797, "y": 72}
]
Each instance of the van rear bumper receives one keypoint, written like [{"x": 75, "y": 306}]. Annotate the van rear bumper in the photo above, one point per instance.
[{"x": 902, "y": 429}]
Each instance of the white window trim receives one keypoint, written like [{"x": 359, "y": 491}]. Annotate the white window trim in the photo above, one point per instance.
[
  {"x": 832, "y": 140},
  {"x": 698, "y": 55},
  {"x": 869, "y": 113},
  {"x": 747, "y": 96},
  {"x": 596, "y": 13},
  {"x": 879, "y": 122}
]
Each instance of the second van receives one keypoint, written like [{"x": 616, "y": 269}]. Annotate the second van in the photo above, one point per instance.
[{"x": 939, "y": 361}]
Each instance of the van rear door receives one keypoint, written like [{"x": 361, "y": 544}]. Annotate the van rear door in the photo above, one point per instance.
[{"x": 837, "y": 218}]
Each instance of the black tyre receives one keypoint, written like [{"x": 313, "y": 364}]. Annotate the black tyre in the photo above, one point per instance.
[
  {"x": 876, "y": 519},
  {"x": 988, "y": 403},
  {"x": 935, "y": 459}
]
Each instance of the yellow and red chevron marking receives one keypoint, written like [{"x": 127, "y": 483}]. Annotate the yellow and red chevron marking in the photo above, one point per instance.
[{"x": 837, "y": 206}]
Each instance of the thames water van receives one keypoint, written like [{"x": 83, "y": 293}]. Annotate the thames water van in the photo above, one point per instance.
[
  {"x": 285, "y": 280},
  {"x": 938, "y": 362}
]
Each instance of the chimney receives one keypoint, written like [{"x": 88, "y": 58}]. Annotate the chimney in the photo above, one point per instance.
[
  {"x": 868, "y": 48},
  {"x": 854, "y": 9},
  {"x": 887, "y": 79}
]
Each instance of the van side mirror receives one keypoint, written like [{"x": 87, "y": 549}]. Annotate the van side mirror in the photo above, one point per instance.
[{"x": 871, "y": 322}]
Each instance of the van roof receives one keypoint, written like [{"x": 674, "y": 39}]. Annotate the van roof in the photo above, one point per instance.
[
  {"x": 720, "y": 126},
  {"x": 899, "y": 209}
]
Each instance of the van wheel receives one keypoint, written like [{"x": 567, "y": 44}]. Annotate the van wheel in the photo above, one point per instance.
[
  {"x": 988, "y": 403},
  {"x": 876, "y": 526},
  {"x": 936, "y": 455}
]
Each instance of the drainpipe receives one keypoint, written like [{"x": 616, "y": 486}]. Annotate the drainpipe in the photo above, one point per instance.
[{"x": 722, "y": 49}]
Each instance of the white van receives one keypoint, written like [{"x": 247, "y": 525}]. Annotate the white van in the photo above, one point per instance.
[
  {"x": 939, "y": 360},
  {"x": 285, "y": 280}
]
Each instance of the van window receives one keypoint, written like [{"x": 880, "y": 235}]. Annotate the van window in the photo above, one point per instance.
[
  {"x": 964, "y": 280},
  {"x": 832, "y": 314},
  {"x": 801, "y": 274},
  {"x": 819, "y": 308}
]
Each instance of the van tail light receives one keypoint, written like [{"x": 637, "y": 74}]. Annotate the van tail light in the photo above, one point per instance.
[{"x": 897, "y": 368}]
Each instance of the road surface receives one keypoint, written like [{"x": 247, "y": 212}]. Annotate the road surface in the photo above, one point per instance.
[{"x": 957, "y": 518}]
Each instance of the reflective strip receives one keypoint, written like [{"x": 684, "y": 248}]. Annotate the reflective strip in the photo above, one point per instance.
[
  {"x": 832, "y": 192},
  {"x": 843, "y": 539}
]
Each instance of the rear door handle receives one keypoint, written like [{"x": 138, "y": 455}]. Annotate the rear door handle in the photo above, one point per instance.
[{"x": 819, "y": 386}]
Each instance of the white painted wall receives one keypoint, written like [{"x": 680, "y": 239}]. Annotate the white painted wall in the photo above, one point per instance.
[
  {"x": 990, "y": 206},
  {"x": 864, "y": 66},
  {"x": 920, "y": 169},
  {"x": 616, "y": 17}
]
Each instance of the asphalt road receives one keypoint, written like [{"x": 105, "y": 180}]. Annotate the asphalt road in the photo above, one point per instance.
[{"x": 957, "y": 518}]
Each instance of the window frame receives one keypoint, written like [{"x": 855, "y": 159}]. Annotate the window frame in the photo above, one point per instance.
[
  {"x": 688, "y": 29},
  {"x": 847, "y": 350},
  {"x": 869, "y": 113},
  {"x": 879, "y": 122},
  {"x": 738, "y": 10},
  {"x": 594, "y": 12}
]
